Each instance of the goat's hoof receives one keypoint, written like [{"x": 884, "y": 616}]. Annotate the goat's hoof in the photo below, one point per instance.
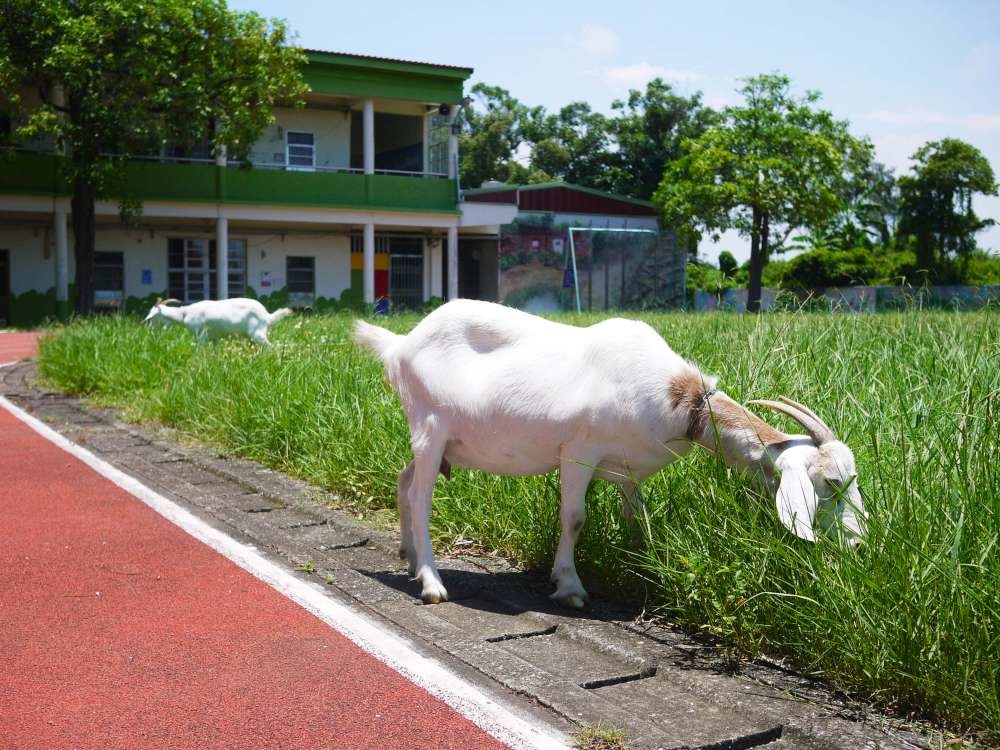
[
  {"x": 571, "y": 600},
  {"x": 434, "y": 594}
]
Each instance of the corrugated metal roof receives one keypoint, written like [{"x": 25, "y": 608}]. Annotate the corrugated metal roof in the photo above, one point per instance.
[
  {"x": 551, "y": 185},
  {"x": 387, "y": 59}
]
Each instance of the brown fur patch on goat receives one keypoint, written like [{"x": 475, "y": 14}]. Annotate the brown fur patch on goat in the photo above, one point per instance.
[{"x": 687, "y": 391}]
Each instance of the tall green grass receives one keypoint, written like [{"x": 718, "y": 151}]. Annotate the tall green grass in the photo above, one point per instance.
[{"x": 911, "y": 619}]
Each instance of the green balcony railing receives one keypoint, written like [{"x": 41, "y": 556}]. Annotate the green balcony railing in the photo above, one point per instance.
[{"x": 31, "y": 173}]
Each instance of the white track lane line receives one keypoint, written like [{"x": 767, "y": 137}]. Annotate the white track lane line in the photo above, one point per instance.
[{"x": 431, "y": 675}]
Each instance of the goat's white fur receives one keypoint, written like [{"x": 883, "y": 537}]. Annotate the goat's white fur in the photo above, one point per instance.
[
  {"x": 488, "y": 387},
  {"x": 211, "y": 319}
]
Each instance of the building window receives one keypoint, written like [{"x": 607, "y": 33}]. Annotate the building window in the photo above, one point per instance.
[
  {"x": 191, "y": 269},
  {"x": 438, "y": 131},
  {"x": 301, "y": 150},
  {"x": 109, "y": 281},
  {"x": 301, "y": 274},
  {"x": 237, "y": 267}
]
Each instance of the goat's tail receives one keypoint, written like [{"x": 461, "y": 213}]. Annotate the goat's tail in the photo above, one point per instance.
[
  {"x": 378, "y": 340},
  {"x": 277, "y": 315}
]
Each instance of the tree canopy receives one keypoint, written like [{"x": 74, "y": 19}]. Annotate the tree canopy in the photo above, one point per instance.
[
  {"x": 772, "y": 165},
  {"x": 114, "y": 79},
  {"x": 506, "y": 140},
  {"x": 936, "y": 203}
]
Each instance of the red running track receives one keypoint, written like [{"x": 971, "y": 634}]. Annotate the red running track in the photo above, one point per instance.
[
  {"x": 118, "y": 630},
  {"x": 17, "y": 346}
]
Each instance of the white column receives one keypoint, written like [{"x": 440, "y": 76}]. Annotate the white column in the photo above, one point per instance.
[
  {"x": 220, "y": 156},
  {"x": 427, "y": 269},
  {"x": 452, "y": 145},
  {"x": 368, "y": 135},
  {"x": 368, "y": 273},
  {"x": 62, "y": 256},
  {"x": 436, "y": 269},
  {"x": 452, "y": 263},
  {"x": 222, "y": 256}
]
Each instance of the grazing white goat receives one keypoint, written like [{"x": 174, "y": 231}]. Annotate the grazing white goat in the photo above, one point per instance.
[
  {"x": 492, "y": 388},
  {"x": 211, "y": 319}
]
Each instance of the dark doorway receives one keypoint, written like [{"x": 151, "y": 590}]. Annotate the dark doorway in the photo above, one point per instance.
[
  {"x": 4, "y": 287},
  {"x": 468, "y": 274},
  {"x": 406, "y": 272}
]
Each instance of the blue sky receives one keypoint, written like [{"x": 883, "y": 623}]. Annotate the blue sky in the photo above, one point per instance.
[{"x": 901, "y": 73}]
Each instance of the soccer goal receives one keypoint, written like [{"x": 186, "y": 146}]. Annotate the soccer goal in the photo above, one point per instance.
[{"x": 624, "y": 269}]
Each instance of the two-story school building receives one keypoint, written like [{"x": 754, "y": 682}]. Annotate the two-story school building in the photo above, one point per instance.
[{"x": 352, "y": 198}]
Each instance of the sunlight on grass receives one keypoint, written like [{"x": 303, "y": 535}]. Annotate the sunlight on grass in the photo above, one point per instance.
[{"x": 912, "y": 618}]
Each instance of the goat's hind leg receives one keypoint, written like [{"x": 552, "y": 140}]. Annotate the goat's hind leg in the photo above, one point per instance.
[
  {"x": 428, "y": 440},
  {"x": 407, "y": 550},
  {"x": 574, "y": 477}
]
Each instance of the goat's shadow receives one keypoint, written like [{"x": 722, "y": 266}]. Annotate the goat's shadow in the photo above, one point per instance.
[
  {"x": 504, "y": 593},
  {"x": 512, "y": 593}
]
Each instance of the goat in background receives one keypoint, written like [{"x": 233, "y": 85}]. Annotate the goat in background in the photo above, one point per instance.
[{"x": 212, "y": 319}]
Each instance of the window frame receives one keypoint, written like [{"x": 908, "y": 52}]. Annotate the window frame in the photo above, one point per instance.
[
  {"x": 289, "y": 146},
  {"x": 298, "y": 298},
  {"x": 110, "y": 300}
]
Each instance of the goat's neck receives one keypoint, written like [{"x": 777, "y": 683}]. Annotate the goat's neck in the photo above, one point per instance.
[{"x": 742, "y": 438}]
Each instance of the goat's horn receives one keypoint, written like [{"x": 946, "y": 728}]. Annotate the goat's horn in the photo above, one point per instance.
[
  {"x": 812, "y": 424},
  {"x": 168, "y": 301},
  {"x": 802, "y": 407}
]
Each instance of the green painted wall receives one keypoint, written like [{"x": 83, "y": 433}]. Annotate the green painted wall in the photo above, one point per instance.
[{"x": 39, "y": 174}]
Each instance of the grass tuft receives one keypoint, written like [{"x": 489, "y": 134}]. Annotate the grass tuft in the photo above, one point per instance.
[{"x": 599, "y": 736}]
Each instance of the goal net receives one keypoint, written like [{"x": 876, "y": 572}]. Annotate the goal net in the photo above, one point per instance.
[{"x": 546, "y": 268}]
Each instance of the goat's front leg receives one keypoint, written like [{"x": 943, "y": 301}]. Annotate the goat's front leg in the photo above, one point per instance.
[
  {"x": 574, "y": 477},
  {"x": 632, "y": 504},
  {"x": 428, "y": 442},
  {"x": 407, "y": 550}
]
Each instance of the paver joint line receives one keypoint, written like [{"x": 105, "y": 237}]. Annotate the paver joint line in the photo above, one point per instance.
[
  {"x": 620, "y": 680},
  {"x": 515, "y": 636}
]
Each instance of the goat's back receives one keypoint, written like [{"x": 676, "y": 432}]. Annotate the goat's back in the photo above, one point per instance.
[{"x": 480, "y": 357}]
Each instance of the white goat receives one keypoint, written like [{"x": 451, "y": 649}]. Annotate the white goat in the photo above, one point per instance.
[
  {"x": 211, "y": 319},
  {"x": 488, "y": 387}
]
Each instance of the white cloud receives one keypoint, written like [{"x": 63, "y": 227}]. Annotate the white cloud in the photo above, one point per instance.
[
  {"x": 598, "y": 40},
  {"x": 636, "y": 76},
  {"x": 924, "y": 118}
]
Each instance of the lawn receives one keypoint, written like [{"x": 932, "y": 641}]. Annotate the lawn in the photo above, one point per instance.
[{"x": 911, "y": 619}]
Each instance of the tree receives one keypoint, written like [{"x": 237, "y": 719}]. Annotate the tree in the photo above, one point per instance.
[
  {"x": 118, "y": 79},
  {"x": 493, "y": 135},
  {"x": 936, "y": 204},
  {"x": 771, "y": 166},
  {"x": 572, "y": 146},
  {"x": 648, "y": 132},
  {"x": 727, "y": 263}
]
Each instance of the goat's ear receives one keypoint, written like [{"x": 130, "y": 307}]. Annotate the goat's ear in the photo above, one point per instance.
[{"x": 797, "y": 501}]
